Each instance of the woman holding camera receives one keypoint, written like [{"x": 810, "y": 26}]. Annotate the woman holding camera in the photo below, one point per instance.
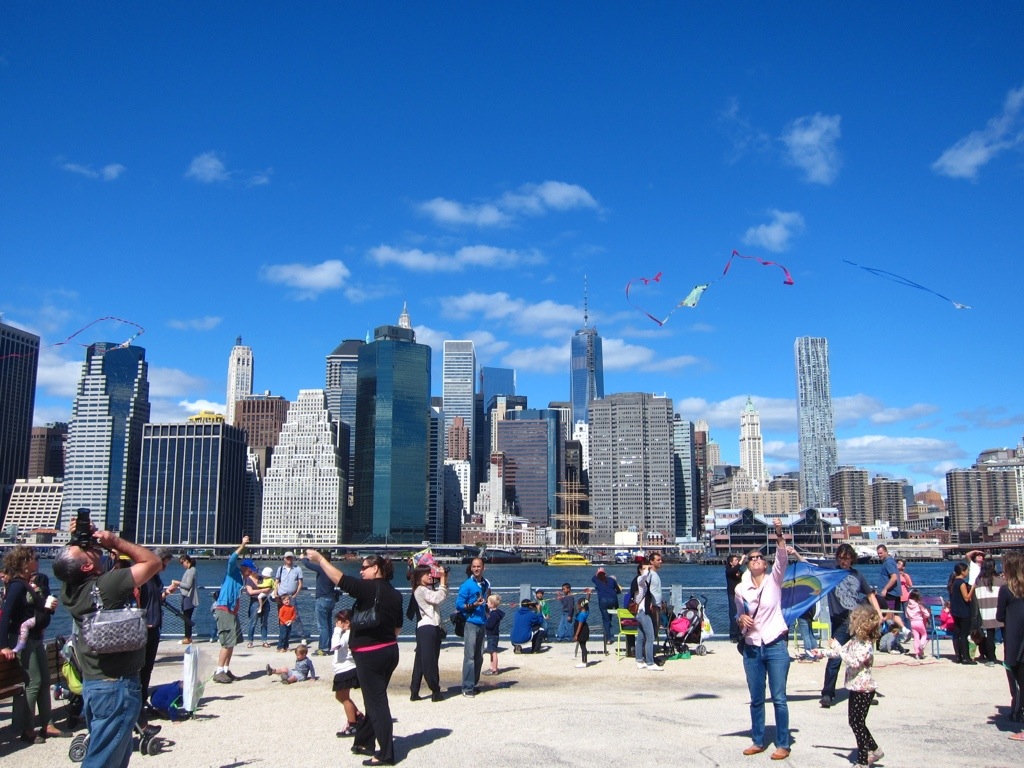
[
  {"x": 424, "y": 604},
  {"x": 28, "y": 601},
  {"x": 375, "y": 649}
]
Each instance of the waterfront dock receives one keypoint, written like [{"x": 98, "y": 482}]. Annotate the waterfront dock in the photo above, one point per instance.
[{"x": 542, "y": 711}]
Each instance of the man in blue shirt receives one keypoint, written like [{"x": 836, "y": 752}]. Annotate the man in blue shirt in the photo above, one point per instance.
[
  {"x": 229, "y": 629},
  {"x": 472, "y": 603},
  {"x": 889, "y": 591},
  {"x": 527, "y": 627},
  {"x": 608, "y": 591}
]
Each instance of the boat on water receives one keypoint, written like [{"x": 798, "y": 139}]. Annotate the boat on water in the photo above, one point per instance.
[
  {"x": 566, "y": 557},
  {"x": 496, "y": 557}
]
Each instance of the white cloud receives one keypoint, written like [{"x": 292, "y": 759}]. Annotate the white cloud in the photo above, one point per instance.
[
  {"x": 432, "y": 338},
  {"x": 48, "y": 414},
  {"x": 195, "y": 406},
  {"x": 453, "y": 212},
  {"x": 487, "y": 345},
  {"x": 108, "y": 172},
  {"x": 811, "y": 146},
  {"x": 1004, "y": 131},
  {"x": 307, "y": 280},
  {"x": 622, "y": 356},
  {"x": 56, "y": 376},
  {"x": 468, "y": 256},
  {"x": 776, "y": 413},
  {"x": 775, "y": 235},
  {"x": 546, "y": 318},
  {"x": 529, "y": 199},
  {"x": 207, "y": 168},
  {"x": 744, "y": 135},
  {"x": 261, "y": 178},
  {"x": 196, "y": 324},
  {"x": 547, "y": 359},
  {"x": 172, "y": 383},
  {"x": 881, "y": 449}
]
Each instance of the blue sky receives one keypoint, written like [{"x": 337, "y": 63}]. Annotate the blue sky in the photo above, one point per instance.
[{"x": 293, "y": 174}]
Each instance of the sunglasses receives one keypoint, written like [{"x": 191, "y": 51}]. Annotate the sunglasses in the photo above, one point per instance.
[
  {"x": 756, "y": 557},
  {"x": 364, "y": 567}
]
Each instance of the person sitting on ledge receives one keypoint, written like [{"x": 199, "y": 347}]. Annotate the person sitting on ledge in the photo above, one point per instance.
[{"x": 527, "y": 627}]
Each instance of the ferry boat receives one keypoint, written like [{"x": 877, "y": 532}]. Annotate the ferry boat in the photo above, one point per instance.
[{"x": 568, "y": 558}]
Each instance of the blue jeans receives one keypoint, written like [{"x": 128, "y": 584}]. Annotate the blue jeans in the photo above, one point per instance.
[
  {"x": 261, "y": 619},
  {"x": 841, "y": 633},
  {"x": 606, "y": 618},
  {"x": 806, "y": 635},
  {"x": 771, "y": 660},
  {"x": 564, "y": 628},
  {"x": 111, "y": 708},
  {"x": 644, "y": 638},
  {"x": 472, "y": 656},
  {"x": 324, "y": 621}
]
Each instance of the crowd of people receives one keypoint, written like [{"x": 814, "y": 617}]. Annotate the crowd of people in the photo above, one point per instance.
[{"x": 985, "y": 607}]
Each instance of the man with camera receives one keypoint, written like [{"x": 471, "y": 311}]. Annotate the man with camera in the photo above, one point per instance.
[{"x": 110, "y": 681}]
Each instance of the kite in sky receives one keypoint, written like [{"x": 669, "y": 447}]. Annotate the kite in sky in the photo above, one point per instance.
[
  {"x": 698, "y": 290},
  {"x": 67, "y": 340},
  {"x": 905, "y": 281}
]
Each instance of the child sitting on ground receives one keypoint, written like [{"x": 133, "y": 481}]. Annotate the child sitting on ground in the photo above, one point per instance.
[
  {"x": 303, "y": 669},
  {"x": 345, "y": 678},
  {"x": 581, "y": 630},
  {"x": 890, "y": 642},
  {"x": 492, "y": 632},
  {"x": 858, "y": 653},
  {"x": 285, "y": 618}
]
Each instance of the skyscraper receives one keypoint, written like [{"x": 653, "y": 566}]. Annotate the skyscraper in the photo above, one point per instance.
[
  {"x": 586, "y": 374},
  {"x": 342, "y": 372},
  {"x": 304, "y": 487},
  {"x": 436, "y": 527},
  {"x": 817, "y": 432},
  {"x": 19, "y": 362},
  {"x": 392, "y": 437},
  {"x": 850, "y": 494},
  {"x": 101, "y": 470},
  {"x": 752, "y": 446},
  {"x": 529, "y": 440},
  {"x": 496, "y": 381},
  {"x": 46, "y": 455},
  {"x": 240, "y": 374},
  {"x": 686, "y": 476},
  {"x": 192, "y": 483},
  {"x": 458, "y": 388},
  {"x": 631, "y": 468}
]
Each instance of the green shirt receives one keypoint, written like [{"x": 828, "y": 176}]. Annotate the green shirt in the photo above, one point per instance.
[{"x": 117, "y": 588}]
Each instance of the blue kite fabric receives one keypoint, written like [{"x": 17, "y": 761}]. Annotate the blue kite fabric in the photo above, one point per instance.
[{"x": 806, "y": 584}]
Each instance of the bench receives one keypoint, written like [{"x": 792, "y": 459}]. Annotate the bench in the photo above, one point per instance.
[{"x": 12, "y": 679}]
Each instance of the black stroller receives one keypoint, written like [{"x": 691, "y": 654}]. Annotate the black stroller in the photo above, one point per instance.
[{"x": 684, "y": 630}]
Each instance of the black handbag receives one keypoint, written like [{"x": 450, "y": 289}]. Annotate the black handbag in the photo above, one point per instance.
[{"x": 367, "y": 618}]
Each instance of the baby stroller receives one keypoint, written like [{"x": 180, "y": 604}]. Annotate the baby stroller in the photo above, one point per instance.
[
  {"x": 71, "y": 689},
  {"x": 685, "y": 629}
]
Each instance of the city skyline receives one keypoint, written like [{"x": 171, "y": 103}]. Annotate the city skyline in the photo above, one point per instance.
[{"x": 309, "y": 207}]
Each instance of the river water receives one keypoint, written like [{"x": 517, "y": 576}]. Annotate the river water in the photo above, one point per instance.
[{"x": 510, "y": 581}]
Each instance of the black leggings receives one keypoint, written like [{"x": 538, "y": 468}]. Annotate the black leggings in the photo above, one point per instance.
[
  {"x": 961, "y": 630},
  {"x": 860, "y": 704},
  {"x": 424, "y": 666},
  {"x": 186, "y": 618}
]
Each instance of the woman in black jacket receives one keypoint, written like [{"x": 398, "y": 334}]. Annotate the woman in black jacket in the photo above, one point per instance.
[{"x": 375, "y": 649}]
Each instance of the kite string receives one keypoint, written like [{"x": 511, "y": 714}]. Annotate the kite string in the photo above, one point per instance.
[{"x": 66, "y": 340}]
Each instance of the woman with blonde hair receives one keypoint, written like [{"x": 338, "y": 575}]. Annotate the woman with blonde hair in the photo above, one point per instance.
[{"x": 1010, "y": 611}]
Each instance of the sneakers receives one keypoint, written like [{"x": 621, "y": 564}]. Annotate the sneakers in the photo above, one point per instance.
[
  {"x": 221, "y": 677},
  {"x": 270, "y": 670},
  {"x": 641, "y": 665},
  {"x": 517, "y": 649},
  {"x": 655, "y": 668},
  {"x": 469, "y": 694},
  {"x": 905, "y": 635},
  {"x": 186, "y": 641},
  {"x": 349, "y": 731},
  {"x": 875, "y": 756},
  {"x": 826, "y": 701},
  {"x": 230, "y": 674},
  {"x": 581, "y": 665}
]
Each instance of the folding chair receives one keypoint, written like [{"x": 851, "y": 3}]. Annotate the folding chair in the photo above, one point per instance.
[{"x": 625, "y": 627}]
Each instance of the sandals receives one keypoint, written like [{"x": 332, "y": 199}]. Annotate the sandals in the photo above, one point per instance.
[
  {"x": 266, "y": 645},
  {"x": 249, "y": 645},
  {"x": 1019, "y": 736}
]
